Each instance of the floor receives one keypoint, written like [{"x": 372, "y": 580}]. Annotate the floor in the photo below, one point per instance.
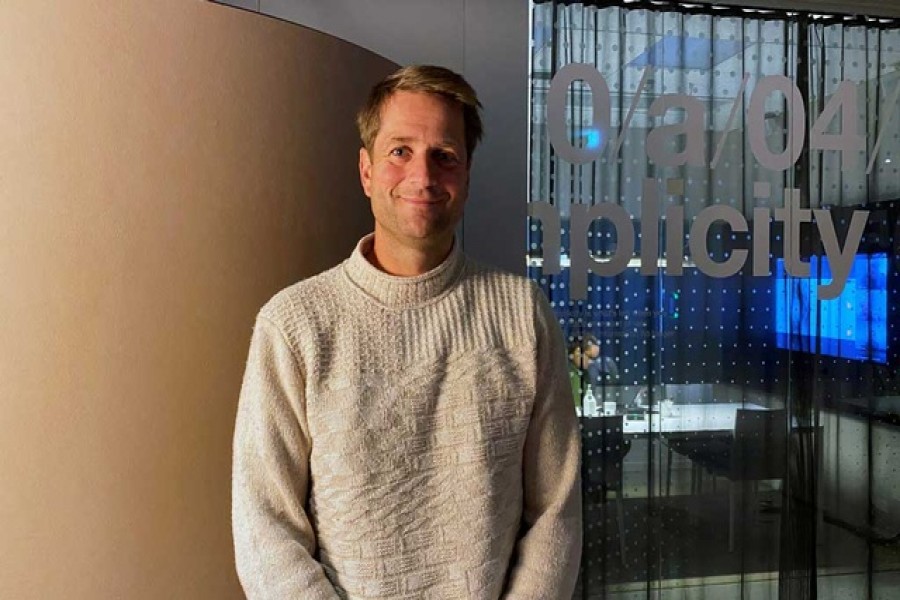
[
  {"x": 676, "y": 547},
  {"x": 886, "y": 586}
]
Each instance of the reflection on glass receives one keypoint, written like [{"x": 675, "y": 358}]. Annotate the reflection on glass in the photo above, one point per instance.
[{"x": 696, "y": 185}]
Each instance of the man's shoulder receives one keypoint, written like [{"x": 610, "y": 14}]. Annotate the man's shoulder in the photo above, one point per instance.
[
  {"x": 483, "y": 274},
  {"x": 303, "y": 298}
]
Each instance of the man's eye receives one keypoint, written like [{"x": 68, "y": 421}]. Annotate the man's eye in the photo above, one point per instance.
[
  {"x": 398, "y": 152},
  {"x": 446, "y": 157}
]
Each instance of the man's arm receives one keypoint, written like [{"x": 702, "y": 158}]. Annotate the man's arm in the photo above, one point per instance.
[
  {"x": 273, "y": 540},
  {"x": 549, "y": 550}
]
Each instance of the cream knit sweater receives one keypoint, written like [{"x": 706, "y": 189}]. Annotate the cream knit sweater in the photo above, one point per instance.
[{"x": 407, "y": 438}]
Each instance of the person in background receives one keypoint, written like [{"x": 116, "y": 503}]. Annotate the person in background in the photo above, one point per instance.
[
  {"x": 404, "y": 428},
  {"x": 601, "y": 370},
  {"x": 578, "y": 363}
]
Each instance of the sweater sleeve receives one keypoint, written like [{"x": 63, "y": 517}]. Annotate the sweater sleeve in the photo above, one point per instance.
[
  {"x": 274, "y": 541},
  {"x": 548, "y": 551}
]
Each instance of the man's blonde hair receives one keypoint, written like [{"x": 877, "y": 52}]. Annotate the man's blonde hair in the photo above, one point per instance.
[{"x": 422, "y": 78}]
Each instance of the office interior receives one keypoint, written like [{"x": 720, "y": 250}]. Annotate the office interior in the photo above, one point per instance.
[
  {"x": 162, "y": 182},
  {"x": 793, "y": 494}
]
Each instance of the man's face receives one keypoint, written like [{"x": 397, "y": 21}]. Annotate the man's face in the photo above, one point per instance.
[
  {"x": 575, "y": 357},
  {"x": 591, "y": 351},
  {"x": 417, "y": 175}
]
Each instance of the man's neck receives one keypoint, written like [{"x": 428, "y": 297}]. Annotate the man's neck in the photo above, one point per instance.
[{"x": 404, "y": 261}]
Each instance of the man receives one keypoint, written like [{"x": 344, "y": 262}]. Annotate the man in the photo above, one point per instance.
[
  {"x": 578, "y": 363},
  {"x": 602, "y": 370},
  {"x": 404, "y": 428}
]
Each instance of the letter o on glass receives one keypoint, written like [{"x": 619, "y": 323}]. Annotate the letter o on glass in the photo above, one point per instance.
[{"x": 556, "y": 111}]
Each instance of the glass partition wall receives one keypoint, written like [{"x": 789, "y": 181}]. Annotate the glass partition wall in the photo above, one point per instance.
[{"x": 714, "y": 203}]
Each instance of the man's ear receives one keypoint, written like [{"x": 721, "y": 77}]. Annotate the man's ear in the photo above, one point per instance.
[{"x": 365, "y": 171}]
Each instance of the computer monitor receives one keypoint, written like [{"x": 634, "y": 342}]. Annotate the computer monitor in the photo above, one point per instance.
[{"x": 854, "y": 325}]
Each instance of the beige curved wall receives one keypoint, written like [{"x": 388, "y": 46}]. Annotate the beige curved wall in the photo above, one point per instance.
[{"x": 165, "y": 167}]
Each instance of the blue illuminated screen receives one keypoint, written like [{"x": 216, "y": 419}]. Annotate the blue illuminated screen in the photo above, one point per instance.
[{"x": 853, "y": 325}]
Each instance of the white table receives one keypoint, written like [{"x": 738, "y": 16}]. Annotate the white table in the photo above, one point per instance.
[{"x": 686, "y": 418}]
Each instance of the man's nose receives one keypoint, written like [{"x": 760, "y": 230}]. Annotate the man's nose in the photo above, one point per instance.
[{"x": 423, "y": 170}]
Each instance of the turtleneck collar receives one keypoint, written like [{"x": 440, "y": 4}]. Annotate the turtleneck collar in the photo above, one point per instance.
[{"x": 393, "y": 291}]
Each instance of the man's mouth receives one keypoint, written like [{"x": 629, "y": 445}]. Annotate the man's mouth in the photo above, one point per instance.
[{"x": 424, "y": 200}]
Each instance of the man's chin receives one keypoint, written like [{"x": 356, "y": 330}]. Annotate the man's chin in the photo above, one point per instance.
[{"x": 429, "y": 238}]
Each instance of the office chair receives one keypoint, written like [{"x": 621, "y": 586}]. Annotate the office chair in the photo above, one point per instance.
[{"x": 756, "y": 451}]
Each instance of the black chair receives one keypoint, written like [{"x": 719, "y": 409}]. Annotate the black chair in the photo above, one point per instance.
[
  {"x": 757, "y": 451},
  {"x": 603, "y": 449}
]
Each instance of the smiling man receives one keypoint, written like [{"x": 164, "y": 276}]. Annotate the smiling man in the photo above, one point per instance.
[
  {"x": 416, "y": 173},
  {"x": 405, "y": 427}
]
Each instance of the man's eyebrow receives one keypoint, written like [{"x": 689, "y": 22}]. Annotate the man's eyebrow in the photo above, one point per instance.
[
  {"x": 399, "y": 140},
  {"x": 446, "y": 142}
]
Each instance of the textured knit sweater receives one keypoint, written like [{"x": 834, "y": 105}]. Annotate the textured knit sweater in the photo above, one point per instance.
[{"x": 407, "y": 437}]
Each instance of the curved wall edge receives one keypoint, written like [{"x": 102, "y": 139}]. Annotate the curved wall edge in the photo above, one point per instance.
[{"x": 168, "y": 166}]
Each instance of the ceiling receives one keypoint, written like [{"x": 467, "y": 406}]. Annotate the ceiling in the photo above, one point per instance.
[{"x": 879, "y": 8}]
